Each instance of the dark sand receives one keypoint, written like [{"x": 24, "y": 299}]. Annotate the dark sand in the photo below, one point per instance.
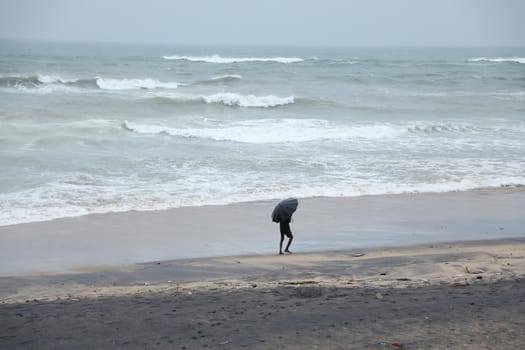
[{"x": 468, "y": 295}]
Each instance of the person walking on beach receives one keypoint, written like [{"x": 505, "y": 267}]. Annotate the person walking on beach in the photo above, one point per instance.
[
  {"x": 285, "y": 231},
  {"x": 282, "y": 213}
]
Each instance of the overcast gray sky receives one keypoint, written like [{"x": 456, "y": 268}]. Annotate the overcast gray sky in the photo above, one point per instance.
[{"x": 269, "y": 22}]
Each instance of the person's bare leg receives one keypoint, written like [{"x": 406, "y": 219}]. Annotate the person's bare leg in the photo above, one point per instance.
[{"x": 287, "y": 250}]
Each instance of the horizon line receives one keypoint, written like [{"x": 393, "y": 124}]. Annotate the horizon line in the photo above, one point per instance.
[{"x": 166, "y": 43}]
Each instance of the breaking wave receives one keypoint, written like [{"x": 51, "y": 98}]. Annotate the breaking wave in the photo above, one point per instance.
[
  {"x": 219, "y": 59},
  {"x": 499, "y": 59},
  {"x": 256, "y": 131},
  {"x": 53, "y": 82},
  {"x": 233, "y": 99},
  {"x": 438, "y": 128},
  {"x": 33, "y": 81},
  {"x": 296, "y": 130},
  {"x": 133, "y": 84},
  {"x": 222, "y": 79},
  {"x": 229, "y": 99}
]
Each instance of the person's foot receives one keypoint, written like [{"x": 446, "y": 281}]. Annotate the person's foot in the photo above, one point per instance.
[
  {"x": 287, "y": 251},
  {"x": 280, "y": 253}
]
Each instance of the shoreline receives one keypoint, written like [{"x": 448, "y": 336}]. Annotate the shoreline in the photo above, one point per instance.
[
  {"x": 321, "y": 224},
  {"x": 487, "y": 190}
]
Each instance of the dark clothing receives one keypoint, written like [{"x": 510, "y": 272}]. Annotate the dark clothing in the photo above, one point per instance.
[{"x": 285, "y": 229}]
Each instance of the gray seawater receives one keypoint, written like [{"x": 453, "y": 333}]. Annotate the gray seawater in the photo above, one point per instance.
[{"x": 94, "y": 128}]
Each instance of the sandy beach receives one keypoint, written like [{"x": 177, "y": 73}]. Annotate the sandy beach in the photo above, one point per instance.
[
  {"x": 426, "y": 291},
  {"x": 456, "y": 295}
]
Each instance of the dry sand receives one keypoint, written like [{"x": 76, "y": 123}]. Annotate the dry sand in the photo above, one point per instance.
[{"x": 468, "y": 295}]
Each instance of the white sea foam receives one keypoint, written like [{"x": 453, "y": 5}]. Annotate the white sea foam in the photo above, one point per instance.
[
  {"x": 81, "y": 195},
  {"x": 39, "y": 84},
  {"x": 221, "y": 79},
  {"x": 275, "y": 131},
  {"x": 43, "y": 89},
  {"x": 52, "y": 79},
  {"x": 198, "y": 182},
  {"x": 230, "y": 99},
  {"x": 227, "y": 77},
  {"x": 219, "y": 59},
  {"x": 53, "y": 83},
  {"x": 498, "y": 59},
  {"x": 133, "y": 84},
  {"x": 233, "y": 99},
  {"x": 269, "y": 131}
]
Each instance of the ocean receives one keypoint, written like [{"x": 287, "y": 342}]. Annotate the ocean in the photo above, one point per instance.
[{"x": 96, "y": 128}]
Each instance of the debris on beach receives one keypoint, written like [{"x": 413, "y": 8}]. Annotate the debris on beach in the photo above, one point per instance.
[
  {"x": 474, "y": 271},
  {"x": 391, "y": 345},
  {"x": 299, "y": 283},
  {"x": 461, "y": 284}
]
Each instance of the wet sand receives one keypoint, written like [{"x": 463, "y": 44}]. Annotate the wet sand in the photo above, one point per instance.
[
  {"x": 66, "y": 245},
  {"x": 448, "y": 295}
]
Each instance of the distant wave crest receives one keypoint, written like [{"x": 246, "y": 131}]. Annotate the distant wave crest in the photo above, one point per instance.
[
  {"x": 233, "y": 99},
  {"x": 249, "y": 131},
  {"x": 32, "y": 81},
  {"x": 132, "y": 84},
  {"x": 229, "y": 99},
  {"x": 438, "y": 128},
  {"x": 49, "y": 83},
  {"x": 296, "y": 130},
  {"x": 220, "y": 59},
  {"x": 221, "y": 79},
  {"x": 269, "y": 131},
  {"x": 499, "y": 59}
]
